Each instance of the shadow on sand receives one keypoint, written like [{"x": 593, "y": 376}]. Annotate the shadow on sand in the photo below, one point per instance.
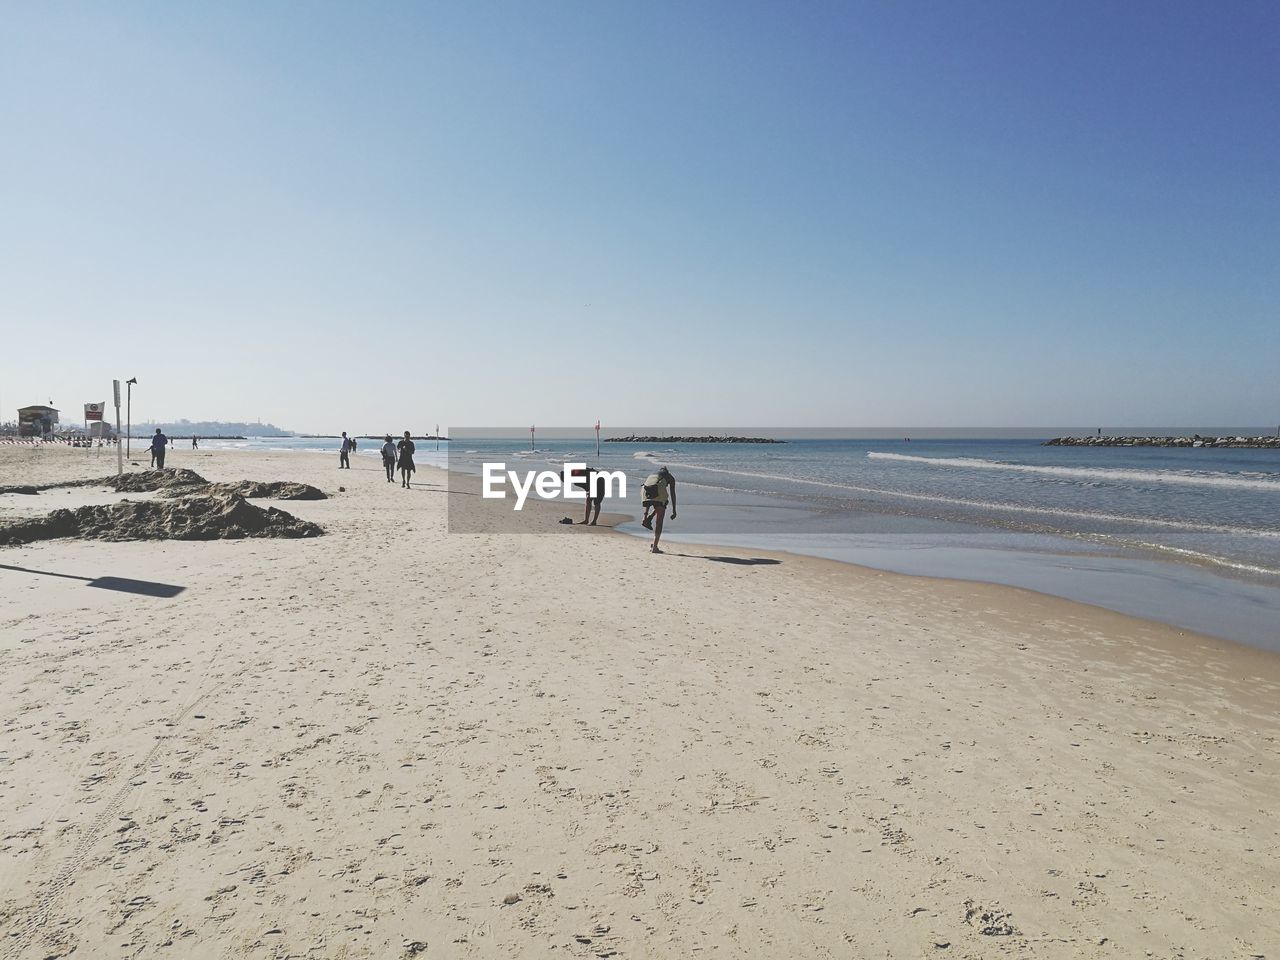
[
  {"x": 145, "y": 588},
  {"x": 741, "y": 561}
]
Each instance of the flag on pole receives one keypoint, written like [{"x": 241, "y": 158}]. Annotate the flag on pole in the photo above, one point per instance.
[{"x": 93, "y": 411}]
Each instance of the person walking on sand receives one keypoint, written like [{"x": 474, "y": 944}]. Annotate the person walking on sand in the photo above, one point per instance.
[
  {"x": 389, "y": 458},
  {"x": 158, "y": 443},
  {"x": 344, "y": 455},
  {"x": 195, "y": 442},
  {"x": 406, "y": 449},
  {"x": 656, "y": 490}
]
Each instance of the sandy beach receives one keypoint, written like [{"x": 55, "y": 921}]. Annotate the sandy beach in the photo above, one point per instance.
[{"x": 391, "y": 741}]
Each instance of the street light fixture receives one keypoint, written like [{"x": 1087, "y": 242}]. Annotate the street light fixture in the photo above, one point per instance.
[{"x": 128, "y": 446}]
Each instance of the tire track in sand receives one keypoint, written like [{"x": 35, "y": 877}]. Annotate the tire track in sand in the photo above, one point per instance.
[{"x": 39, "y": 916}]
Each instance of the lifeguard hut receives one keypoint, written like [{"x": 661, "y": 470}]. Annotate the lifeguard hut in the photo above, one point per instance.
[{"x": 37, "y": 421}]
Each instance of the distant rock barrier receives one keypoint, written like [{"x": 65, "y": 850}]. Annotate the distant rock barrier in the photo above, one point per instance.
[
  {"x": 370, "y": 436},
  {"x": 1271, "y": 443},
  {"x": 637, "y": 439}
]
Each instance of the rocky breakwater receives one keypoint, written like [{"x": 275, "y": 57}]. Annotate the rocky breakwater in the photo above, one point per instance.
[
  {"x": 1195, "y": 440},
  {"x": 654, "y": 439}
]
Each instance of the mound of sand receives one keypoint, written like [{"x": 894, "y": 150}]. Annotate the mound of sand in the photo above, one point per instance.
[
  {"x": 181, "y": 482},
  {"x": 201, "y": 517},
  {"x": 257, "y": 490},
  {"x": 176, "y": 482}
]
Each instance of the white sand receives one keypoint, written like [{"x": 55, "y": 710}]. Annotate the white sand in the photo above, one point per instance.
[{"x": 361, "y": 745}]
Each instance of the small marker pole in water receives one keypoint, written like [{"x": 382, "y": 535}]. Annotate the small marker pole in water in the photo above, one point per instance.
[
  {"x": 437, "y": 437},
  {"x": 597, "y": 439},
  {"x": 531, "y": 438}
]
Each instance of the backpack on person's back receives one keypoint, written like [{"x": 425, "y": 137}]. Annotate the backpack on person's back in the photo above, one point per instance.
[{"x": 655, "y": 485}]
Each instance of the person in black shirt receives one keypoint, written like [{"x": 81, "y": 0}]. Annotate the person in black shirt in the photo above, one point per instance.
[
  {"x": 405, "y": 459},
  {"x": 158, "y": 444}
]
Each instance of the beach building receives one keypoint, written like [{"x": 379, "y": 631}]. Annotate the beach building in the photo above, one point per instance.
[{"x": 37, "y": 421}]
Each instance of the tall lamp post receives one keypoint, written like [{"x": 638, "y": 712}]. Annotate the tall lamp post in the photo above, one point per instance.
[{"x": 128, "y": 404}]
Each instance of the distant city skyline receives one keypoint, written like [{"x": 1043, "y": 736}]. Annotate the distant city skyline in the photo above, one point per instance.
[{"x": 396, "y": 215}]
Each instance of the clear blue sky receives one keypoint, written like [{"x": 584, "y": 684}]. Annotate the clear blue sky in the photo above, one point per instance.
[{"x": 383, "y": 216}]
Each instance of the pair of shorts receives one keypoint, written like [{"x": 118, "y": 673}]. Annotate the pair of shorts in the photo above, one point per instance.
[{"x": 598, "y": 496}]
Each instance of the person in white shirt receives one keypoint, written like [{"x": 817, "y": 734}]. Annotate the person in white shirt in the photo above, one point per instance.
[{"x": 389, "y": 458}]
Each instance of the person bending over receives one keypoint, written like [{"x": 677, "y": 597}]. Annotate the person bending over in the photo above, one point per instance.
[
  {"x": 657, "y": 489},
  {"x": 593, "y": 484}
]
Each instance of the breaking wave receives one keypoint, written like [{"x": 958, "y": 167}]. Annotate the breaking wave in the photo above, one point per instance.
[
  {"x": 1230, "y": 480},
  {"x": 998, "y": 506}
]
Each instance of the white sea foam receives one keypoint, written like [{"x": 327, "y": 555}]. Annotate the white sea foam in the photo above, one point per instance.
[
  {"x": 1106, "y": 474},
  {"x": 1199, "y": 556},
  {"x": 645, "y": 455},
  {"x": 1004, "y": 507}
]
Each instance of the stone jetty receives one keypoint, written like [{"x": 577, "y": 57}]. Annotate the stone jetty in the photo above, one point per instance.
[
  {"x": 639, "y": 439},
  {"x": 1195, "y": 440}
]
